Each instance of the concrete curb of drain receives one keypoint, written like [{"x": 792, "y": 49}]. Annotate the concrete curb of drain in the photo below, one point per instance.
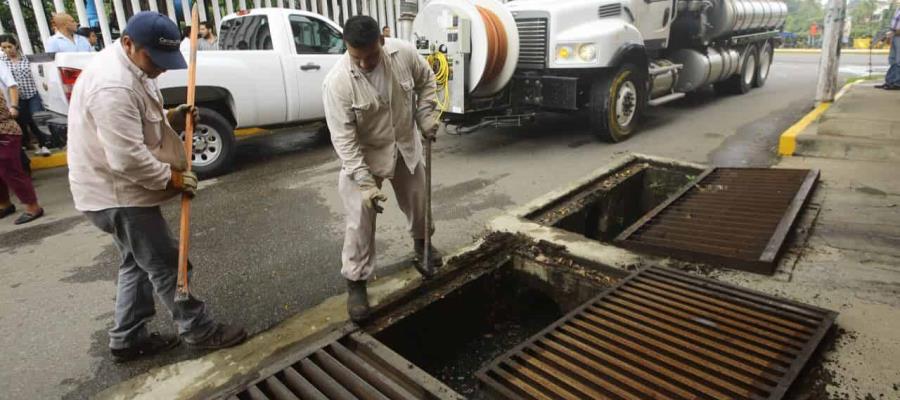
[
  {"x": 843, "y": 51},
  {"x": 787, "y": 142}
]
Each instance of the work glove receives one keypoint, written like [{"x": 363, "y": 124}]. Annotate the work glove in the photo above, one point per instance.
[
  {"x": 370, "y": 192},
  {"x": 427, "y": 122},
  {"x": 177, "y": 116},
  {"x": 185, "y": 182}
]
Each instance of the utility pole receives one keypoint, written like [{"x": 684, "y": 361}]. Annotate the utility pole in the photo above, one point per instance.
[{"x": 830, "y": 59}]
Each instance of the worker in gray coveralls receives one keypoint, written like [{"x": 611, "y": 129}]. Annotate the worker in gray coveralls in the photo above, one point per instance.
[{"x": 374, "y": 97}]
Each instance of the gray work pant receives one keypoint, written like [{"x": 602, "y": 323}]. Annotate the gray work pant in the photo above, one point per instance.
[
  {"x": 149, "y": 264},
  {"x": 358, "y": 256}
]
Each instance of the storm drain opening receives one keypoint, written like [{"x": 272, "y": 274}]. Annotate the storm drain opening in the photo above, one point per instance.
[
  {"x": 455, "y": 336},
  {"x": 734, "y": 217},
  {"x": 355, "y": 366},
  {"x": 664, "y": 334},
  {"x": 602, "y": 209}
]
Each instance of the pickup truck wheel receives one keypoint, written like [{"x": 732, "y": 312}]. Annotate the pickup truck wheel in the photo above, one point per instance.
[
  {"x": 616, "y": 103},
  {"x": 214, "y": 145},
  {"x": 742, "y": 82},
  {"x": 765, "y": 63}
]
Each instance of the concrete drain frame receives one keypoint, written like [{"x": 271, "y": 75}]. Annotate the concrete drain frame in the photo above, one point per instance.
[{"x": 566, "y": 266}]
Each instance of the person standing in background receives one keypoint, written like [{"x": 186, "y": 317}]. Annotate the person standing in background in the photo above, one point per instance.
[
  {"x": 65, "y": 40},
  {"x": 12, "y": 175},
  {"x": 88, "y": 34},
  {"x": 386, "y": 31},
  {"x": 207, "y": 39},
  {"x": 29, "y": 100},
  {"x": 892, "y": 78}
]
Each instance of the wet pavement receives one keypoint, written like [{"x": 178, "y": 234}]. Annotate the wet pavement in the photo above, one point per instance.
[{"x": 267, "y": 237}]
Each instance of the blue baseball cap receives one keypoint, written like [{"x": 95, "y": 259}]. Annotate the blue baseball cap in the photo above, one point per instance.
[{"x": 160, "y": 36}]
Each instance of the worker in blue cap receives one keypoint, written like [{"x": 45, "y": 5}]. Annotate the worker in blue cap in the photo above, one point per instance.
[{"x": 125, "y": 159}]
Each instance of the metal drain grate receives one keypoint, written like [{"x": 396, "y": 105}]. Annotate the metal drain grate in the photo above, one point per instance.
[
  {"x": 665, "y": 334},
  {"x": 356, "y": 366},
  {"x": 736, "y": 217}
]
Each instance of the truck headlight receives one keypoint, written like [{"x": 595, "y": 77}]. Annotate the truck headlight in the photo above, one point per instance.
[
  {"x": 563, "y": 52},
  {"x": 576, "y": 53},
  {"x": 587, "y": 52}
]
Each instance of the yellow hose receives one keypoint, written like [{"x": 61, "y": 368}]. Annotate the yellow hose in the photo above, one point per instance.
[{"x": 441, "y": 67}]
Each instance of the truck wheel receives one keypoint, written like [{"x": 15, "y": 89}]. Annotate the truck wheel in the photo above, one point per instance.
[
  {"x": 214, "y": 145},
  {"x": 765, "y": 63},
  {"x": 742, "y": 82},
  {"x": 616, "y": 103}
]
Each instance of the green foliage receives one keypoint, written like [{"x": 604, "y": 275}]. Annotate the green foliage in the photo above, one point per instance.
[{"x": 802, "y": 14}]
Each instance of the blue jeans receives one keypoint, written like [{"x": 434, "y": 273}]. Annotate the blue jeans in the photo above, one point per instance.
[
  {"x": 149, "y": 265},
  {"x": 893, "y": 74}
]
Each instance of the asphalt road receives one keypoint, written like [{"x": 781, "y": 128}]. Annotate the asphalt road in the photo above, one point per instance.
[{"x": 267, "y": 237}]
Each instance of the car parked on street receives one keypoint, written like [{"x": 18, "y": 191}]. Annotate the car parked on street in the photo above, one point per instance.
[{"x": 268, "y": 73}]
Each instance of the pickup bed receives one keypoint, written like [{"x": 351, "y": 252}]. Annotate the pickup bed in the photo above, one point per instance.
[{"x": 268, "y": 73}]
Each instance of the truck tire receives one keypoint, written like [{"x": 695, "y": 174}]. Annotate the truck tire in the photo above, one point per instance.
[
  {"x": 741, "y": 82},
  {"x": 766, "y": 54},
  {"x": 615, "y": 104},
  {"x": 214, "y": 145}
]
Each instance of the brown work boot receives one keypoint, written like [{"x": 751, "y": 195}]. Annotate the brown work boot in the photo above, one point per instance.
[
  {"x": 427, "y": 271},
  {"x": 357, "y": 301},
  {"x": 151, "y": 345},
  {"x": 223, "y": 336}
]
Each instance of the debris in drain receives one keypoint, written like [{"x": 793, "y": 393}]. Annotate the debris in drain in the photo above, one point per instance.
[
  {"x": 454, "y": 337},
  {"x": 662, "y": 333},
  {"x": 733, "y": 217}
]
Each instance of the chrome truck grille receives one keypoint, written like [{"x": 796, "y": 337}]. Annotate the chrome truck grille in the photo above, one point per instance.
[{"x": 532, "y": 43}]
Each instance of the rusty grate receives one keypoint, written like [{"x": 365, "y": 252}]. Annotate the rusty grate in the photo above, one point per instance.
[
  {"x": 735, "y": 217},
  {"x": 357, "y": 366},
  {"x": 664, "y": 334}
]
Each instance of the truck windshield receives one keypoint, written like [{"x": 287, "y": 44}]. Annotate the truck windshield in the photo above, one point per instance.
[{"x": 245, "y": 33}]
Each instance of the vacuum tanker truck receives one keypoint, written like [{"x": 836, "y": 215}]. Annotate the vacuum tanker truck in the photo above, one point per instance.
[{"x": 501, "y": 63}]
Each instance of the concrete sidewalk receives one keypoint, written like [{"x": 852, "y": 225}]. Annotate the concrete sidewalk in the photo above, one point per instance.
[
  {"x": 862, "y": 125},
  {"x": 851, "y": 260}
]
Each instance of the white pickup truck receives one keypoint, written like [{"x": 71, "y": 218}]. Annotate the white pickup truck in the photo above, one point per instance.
[{"x": 267, "y": 74}]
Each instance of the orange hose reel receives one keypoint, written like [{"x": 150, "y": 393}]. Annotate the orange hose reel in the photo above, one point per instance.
[{"x": 497, "y": 44}]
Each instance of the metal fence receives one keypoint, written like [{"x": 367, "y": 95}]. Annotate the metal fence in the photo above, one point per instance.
[{"x": 109, "y": 15}]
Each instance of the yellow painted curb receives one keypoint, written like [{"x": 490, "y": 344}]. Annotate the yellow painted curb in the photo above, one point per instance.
[
  {"x": 788, "y": 141},
  {"x": 249, "y": 132},
  {"x": 57, "y": 159}
]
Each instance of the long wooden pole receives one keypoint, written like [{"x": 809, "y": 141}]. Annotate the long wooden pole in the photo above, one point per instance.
[{"x": 184, "y": 243}]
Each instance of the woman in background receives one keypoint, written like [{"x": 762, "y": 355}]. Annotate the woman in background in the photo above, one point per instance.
[{"x": 29, "y": 100}]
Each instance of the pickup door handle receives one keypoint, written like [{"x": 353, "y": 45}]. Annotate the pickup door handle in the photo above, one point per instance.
[{"x": 310, "y": 66}]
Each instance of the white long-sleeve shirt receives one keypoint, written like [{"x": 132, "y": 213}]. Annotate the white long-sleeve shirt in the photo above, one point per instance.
[{"x": 121, "y": 148}]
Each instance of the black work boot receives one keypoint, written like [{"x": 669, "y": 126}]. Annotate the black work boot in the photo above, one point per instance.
[
  {"x": 427, "y": 271},
  {"x": 151, "y": 345},
  {"x": 357, "y": 300},
  {"x": 223, "y": 336}
]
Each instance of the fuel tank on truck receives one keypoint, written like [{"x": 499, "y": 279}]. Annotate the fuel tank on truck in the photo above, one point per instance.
[{"x": 709, "y": 20}]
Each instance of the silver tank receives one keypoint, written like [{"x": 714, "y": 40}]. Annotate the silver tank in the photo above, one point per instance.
[
  {"x": 730, "y": 17},
  {"x": 702, "y": 69}
]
